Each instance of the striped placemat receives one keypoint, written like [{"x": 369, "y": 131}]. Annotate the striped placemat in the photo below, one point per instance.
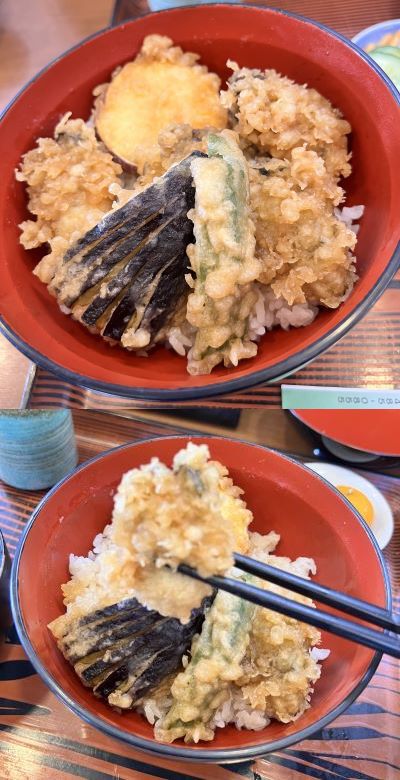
[
  {"x": 368, "y": 356},
  {"x": 40, "y": 738}
]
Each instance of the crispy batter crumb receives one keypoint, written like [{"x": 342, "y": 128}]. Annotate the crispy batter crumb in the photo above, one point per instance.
[
  {"x": 68, "y": 180},
  {"x": 304, "y": 249},
  {"x": 276, "y": 115}
]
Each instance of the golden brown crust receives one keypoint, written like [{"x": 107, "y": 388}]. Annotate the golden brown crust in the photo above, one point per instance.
[
  {"x": 68, "y": 179},
  {"x": 163, "y": 85}
]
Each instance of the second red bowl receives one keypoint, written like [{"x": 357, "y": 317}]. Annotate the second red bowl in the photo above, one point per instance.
[{"x": 313, "y": 520}]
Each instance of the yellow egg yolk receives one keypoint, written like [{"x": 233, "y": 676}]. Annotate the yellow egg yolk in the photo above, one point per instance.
[{"x": 359, "y": 501}]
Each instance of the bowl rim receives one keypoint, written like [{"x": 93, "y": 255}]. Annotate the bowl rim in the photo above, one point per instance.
[
  {"x": 267, "y": 375},
  {"x": 389, "y": 24},
  {"x": 202, "y": 755},
  {"x": 5, "y": 574},
  {"x": 298, "y": 415},
  {"x": 3, "y": 554}
]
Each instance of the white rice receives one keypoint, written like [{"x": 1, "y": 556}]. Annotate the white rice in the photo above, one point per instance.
[
  {"x": 155, "y": 708},
  {"x": 270, "y": 312},
  {"x": 350, "y": 215},
  {"x": 319, "y": 654},
  {"x": 181, "y": 338},
  {"x": 236, "y": 710}
]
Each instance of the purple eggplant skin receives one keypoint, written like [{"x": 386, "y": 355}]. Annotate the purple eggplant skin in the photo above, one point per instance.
[
  {"x": 128, "y": 643},
  {"x": 138, "y": 260},
  {"x": 137, "y": 650},
  {"x": 116, "y": 677},
  {"x": 134, "y": 262},
  {"x": 127, "y": 607},
  {"x": 162, "y": 240},
  {"x": 155, "y": 668},
  {"x": 167, "y": 252},
  {"x": 168, "y": 659},
  {"x": 118, "y": 223},
  {"x": 119, "y": 232},
  {"x": 119, "y": 250},
  {"x": 172, "y": 283},
  {"x": 162, "y": 665},
  {"x": 99, "y": 634}
]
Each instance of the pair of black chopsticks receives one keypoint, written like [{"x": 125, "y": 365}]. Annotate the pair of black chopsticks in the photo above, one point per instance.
[{"x": 356, "y": 632}]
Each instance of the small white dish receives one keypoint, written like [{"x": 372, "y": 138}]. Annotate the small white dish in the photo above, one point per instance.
[
  {"x": 374, "y": 34},
  {"x": 382, "y": 525}
]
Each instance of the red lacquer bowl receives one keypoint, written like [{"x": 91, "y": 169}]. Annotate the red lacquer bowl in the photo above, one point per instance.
[
  {"x": 314, "y": 520},
  {"x": 375, "y": 431},
  {"x": 255, "y": 37}
]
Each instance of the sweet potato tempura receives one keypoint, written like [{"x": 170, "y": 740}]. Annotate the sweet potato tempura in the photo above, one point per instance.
[{"x": 162, "y": 86}]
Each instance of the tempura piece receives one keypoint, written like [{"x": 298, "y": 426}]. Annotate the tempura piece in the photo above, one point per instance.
[
  {"x": 162, "y": 86},
  {"x": 126, "y": 276},
  {"x": 278, "y": 671},
  {"x": 305, "y": 250},
  {"x": 123, "y": 651},
  {"x": 276, "y": 115},
  {"x": 68, "y": 180},
  {"x": 192, "y": 513},
  {"x": 216, "y": 656},
  {"x": 222, "y": 258}
]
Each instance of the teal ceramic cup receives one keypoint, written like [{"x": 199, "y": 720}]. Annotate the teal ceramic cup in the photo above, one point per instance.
[{"x": 37, "y": 448}]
